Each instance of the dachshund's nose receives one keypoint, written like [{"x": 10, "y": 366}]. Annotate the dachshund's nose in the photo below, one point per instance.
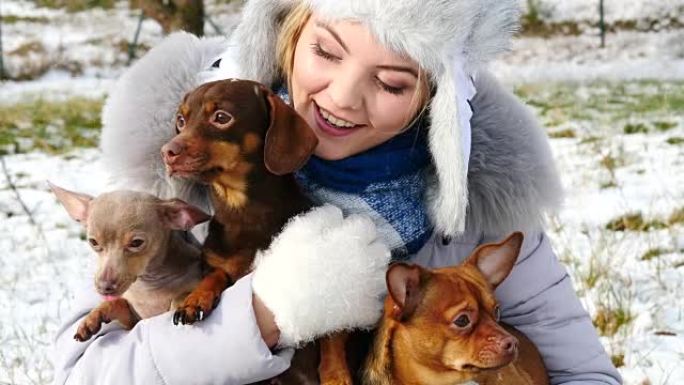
[{"x": 171, "y": 151}]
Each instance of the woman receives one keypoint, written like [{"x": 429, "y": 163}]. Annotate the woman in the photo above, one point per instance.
[{"x": 413, "y": 132}]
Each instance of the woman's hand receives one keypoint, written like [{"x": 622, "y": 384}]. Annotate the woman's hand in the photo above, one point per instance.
[{"x": 322, "y": 273}]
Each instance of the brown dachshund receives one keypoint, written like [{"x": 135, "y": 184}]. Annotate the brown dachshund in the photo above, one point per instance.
[
  {"x": 244, "y": 142},
  {"x": 441, "y": 326}
]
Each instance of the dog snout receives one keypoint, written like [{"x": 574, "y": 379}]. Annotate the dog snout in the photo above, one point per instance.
[
  {"x": 107, "y": 288},
  {"x": 171, "y": 151},
  {"x": 508, "y": 345}
]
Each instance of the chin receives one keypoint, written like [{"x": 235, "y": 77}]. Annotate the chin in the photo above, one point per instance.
[{"x": 327, "y": 153}]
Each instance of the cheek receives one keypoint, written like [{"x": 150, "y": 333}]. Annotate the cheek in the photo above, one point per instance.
[
  {"x": 136, "y": 263},
  {"x": 383, "y": 113},
  {"x": 308, "y": 75}
]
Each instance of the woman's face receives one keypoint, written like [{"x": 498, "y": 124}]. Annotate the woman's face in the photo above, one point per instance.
[{"x": 352, "y": 91}]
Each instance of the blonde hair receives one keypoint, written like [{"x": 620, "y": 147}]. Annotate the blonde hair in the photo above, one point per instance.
[{"x": 290, "y": 31}]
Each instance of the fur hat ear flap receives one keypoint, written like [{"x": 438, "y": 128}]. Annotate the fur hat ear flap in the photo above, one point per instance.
[{"x": 449, "y": 141}]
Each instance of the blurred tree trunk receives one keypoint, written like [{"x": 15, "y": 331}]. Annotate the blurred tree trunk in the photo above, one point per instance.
[{"x": 174, "y": 15}]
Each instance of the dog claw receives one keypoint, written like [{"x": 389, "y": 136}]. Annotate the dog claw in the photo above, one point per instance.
[
  {"x": 199, "y": 315},
  {"x": 179, "y": 317}
]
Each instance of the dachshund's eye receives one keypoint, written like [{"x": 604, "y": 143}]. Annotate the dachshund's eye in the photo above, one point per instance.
[
  {"x": 221, "y": 118},
  {"x": 180, "y": 122},
  {"x": 462, "y": 321},
  {"x": 497, "y": 313}
]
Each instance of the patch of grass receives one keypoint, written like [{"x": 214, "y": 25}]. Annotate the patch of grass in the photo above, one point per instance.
[
  {"x": 677, "y": 217},
  {"x": 608, "y": 105},
  {"x": 50, "y": 126},
  {"x": 607, "y": 185},
  {"x": 34, "y": 61},
  {"x": 28, "y": 48},
  {"x": 611, "y": 162},
  {"x": 653, "y": 253},
  {"x": 618, "y": 360},
  {"x": 75, "y": 5},
  {"x": 675, "y": 140},
  {"x": 664, "y": 126},
  {"x": 634, "y": 222},
  {"x": 567, "y": 133},
  {"x": 597, "y": 273},
  {"x": 590, "y": 140},
  {"x": 635, "y": 128},
  {"x": 608, "y": 321},
  {"x": 13, "y": 19}
]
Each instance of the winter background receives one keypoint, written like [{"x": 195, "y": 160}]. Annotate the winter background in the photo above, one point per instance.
[{"x": 614, "y": 115}]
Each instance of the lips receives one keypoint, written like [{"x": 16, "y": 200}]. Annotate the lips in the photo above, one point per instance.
[{"x": 330, "y": 129}]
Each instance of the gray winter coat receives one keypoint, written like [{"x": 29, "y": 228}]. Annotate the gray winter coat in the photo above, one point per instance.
[{"x": 511, "y": 178}]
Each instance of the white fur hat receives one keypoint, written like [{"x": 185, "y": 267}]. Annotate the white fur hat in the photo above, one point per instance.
[{"x": 450, "y": 39}]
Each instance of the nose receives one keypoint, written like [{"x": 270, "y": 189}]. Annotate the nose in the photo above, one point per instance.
[
  {"x": 346, "y": 93},
  {"x": 107, "y": 287},
  {"x": 508, "y": 345},
  {"x": 171, "y": 151}
]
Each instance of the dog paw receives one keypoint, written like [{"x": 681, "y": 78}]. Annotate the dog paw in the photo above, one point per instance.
[
  {"x": 91, "y": 325},
  {"x": 196, "y": 307}
]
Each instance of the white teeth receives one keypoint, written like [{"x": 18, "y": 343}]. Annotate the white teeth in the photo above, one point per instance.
[{"x": 335, "y": 121}]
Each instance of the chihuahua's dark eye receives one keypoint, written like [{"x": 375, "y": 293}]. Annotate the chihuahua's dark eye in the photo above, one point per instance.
[
  {"x": 180, "y": 122},
  {"x": 93, "y": 243},
  {"x": 136, "y": 243},
  {"x": 497, "y": 313},
  {"x": 462, "y": 321},
  {"x": 221, "y": 118}
]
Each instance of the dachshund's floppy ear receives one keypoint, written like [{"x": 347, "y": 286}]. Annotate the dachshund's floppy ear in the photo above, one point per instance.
[{"x": 289, "y": 139}]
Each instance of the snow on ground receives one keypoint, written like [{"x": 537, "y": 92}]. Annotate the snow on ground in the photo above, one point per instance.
[{"x": 607, "y": 173}]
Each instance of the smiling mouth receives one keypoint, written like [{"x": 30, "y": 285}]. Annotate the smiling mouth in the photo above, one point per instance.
[{"x": 331, "y": 125}]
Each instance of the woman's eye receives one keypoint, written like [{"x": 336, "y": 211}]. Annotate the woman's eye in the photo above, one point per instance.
[
  {"x": 387, "y": 88},
  {"x": 136, "y": 243},
  {"x": 180, "y": 122},
  {"x": 221, "y": 117},
  {"x": 462, "y": 321},
  {"x": 318, "y": 50}
]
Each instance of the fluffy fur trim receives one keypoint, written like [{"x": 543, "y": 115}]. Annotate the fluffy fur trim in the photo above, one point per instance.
[
  {"x": 317, "y": 256},
  {"x": 139, "y": 115},
  {"x": 512, "y": 179},
  {"x": 429, "y": 31}
]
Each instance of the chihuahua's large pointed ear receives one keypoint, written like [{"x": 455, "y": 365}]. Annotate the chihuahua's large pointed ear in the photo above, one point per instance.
[
  {"x": 76, "y": 204},
  {"x": 289, "y": 139},
  {"x": 179, "y": 215},
  {"x": 496, "y": 260},
  {"x": 404, "y": 286}
]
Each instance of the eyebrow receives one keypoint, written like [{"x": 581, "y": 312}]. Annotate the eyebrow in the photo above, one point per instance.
[
  {"x": 333, "y": 33},
  {"x": 344, "y": 46}
]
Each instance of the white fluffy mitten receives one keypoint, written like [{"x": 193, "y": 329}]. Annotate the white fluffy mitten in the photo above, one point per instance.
[{"x": 321, "y": 274}]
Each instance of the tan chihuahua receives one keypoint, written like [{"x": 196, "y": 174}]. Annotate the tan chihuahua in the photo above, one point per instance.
[
  {"x": 147, "y": 265},
  {"x": 440, "y": 327}
]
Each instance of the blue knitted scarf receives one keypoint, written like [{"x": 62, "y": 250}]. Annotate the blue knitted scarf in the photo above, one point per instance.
[{"x": 387, "y": 182}]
